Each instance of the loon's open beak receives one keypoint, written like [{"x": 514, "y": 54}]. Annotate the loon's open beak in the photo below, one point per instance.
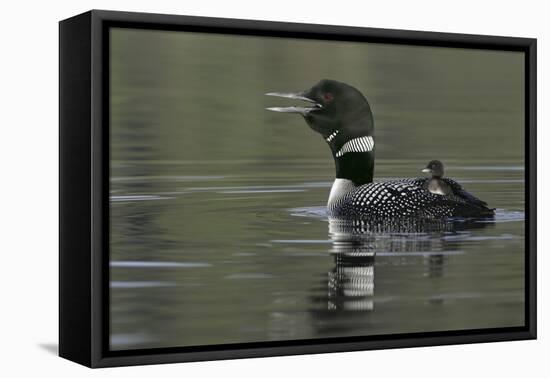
[
  {"x": 294, "y": 109},
  {"x": 427, "y": 170}
]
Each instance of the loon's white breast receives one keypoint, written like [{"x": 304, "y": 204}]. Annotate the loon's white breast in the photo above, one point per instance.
[{"x": 340, "y": 188}]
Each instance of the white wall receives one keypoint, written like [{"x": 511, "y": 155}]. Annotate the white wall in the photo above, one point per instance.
[{"x": 28, "y": 85}]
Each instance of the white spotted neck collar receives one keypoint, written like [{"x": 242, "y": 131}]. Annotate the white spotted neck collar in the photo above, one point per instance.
[{"x": 332, "y": 136}]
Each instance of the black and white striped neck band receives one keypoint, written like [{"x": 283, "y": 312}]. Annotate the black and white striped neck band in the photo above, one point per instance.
[{"x": 361, "y": 144}]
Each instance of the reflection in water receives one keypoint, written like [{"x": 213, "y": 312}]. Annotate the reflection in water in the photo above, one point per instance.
[
  {"x": 351, "y": 282},
  {"x": 356, "y": 244}
]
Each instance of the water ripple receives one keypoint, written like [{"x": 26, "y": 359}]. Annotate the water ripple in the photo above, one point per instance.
[
  {"x": 320, "y": 212},
  {"x": 247, "y": 191},
  {"x": 157, "y": 264},
  {"x": 139, "y": 284},
  {"x": 301, "y": 241},
  {"x": 135, "y": 198},
  {"x": 248, "y": 276}
]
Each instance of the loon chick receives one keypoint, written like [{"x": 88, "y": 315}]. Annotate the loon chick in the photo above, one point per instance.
[
  {"x": 436, "y": 185},
  {"x": 342, "y": 115}
]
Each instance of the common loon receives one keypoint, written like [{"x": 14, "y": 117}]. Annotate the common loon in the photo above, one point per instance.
[{"x": 342, "y": 115}]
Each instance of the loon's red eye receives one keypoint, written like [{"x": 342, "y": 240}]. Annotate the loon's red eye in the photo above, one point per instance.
[{"x": 327, "y": 96}]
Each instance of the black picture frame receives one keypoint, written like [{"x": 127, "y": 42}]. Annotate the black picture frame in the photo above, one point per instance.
[{"x": 84, "y": 188}]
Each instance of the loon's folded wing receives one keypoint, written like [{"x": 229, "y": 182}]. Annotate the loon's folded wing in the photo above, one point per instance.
[{"x": 461, "y": 193}]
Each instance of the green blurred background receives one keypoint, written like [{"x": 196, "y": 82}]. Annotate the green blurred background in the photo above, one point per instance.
[{"x": 201, "y": 95}]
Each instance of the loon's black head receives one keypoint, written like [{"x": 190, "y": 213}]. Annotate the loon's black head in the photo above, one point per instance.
[
  {"x": 342, "y": 115},
  {"x": 336, "y": 107},
  {"x": 435, "y": 168}
]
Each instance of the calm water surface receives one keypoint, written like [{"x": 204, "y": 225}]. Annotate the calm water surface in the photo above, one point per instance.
[
  {"x": 245, "y": 257},
  {"x": 218, "y": 228}
]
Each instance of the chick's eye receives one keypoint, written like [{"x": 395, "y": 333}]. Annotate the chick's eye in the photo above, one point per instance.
[{"x": 328, "y": 96}]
